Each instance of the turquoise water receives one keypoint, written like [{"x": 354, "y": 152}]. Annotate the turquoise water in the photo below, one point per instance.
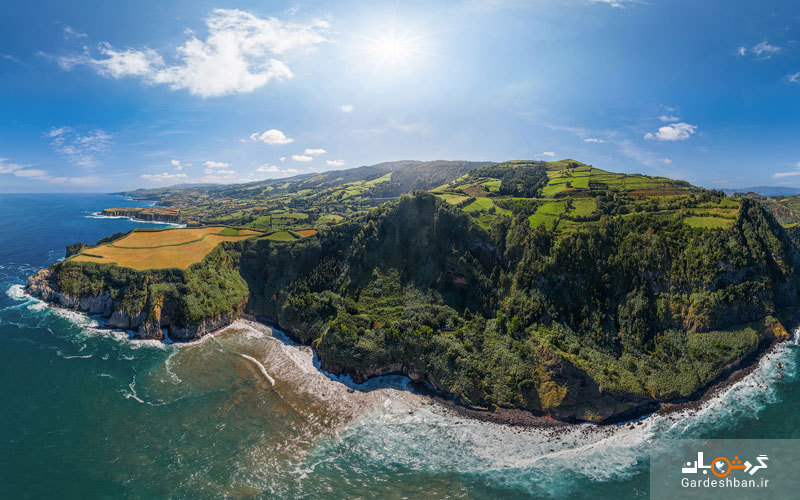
[{"x": 88, "y": 413}]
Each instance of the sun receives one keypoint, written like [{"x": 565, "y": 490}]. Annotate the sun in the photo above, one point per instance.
[{"x": 393, "y": 48}]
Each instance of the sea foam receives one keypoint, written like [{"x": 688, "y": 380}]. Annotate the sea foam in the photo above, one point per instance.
[{"x": 547, "y": 459}]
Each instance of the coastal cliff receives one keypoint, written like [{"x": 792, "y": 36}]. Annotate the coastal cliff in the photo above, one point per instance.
[
  {"x": 186, "y": 304},
  {"x": 589, "y": 326},
  {"x": 148, "y": 214}
]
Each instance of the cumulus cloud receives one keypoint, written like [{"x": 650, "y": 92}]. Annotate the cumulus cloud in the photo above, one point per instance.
[
  {"x": 216, "y": 164},
  {"x": 347, "y": 108},
  {"x": 218, "y": 168},
  {"x": 302, "y": 158},
  {"x": 548, "y": 154},
  {"x": 82, "y": 149},
  {"x": 314, "y": 152},
  {"x": 594, "y": 140},
  {"x": 668, "y": 118},
  {"x": 179, "y": 165},
  {"x": 271, "y": 136},
  {"x": 239, "y": 54},
  {"x": 273, "y": 169},
  {"x": 162, "y": 177},
  {"x": 282, "y": 158},
  {"x": 335, "y": 163},
  {"x": 673, "y": 132}
]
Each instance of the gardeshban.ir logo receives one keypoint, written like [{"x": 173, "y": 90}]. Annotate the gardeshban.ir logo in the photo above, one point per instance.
[{"x": 722, "y": 466}]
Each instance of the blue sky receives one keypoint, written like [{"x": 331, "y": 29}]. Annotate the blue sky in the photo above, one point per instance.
[{"x": 101, "y": 96}]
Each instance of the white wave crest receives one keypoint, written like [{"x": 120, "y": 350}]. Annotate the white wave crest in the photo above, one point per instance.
[
  {"x": 547, "y": 459},
  {"x": 260, "y": 367},
  {"x": 97, "y": 215}
]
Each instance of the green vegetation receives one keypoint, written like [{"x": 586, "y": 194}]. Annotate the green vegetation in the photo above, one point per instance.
[
  {"x": 281, "y": 236},
  {"x": 555, "y": 287}
]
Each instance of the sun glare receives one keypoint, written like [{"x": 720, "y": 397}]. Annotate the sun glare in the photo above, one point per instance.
[{"x": 393, "y": 48}]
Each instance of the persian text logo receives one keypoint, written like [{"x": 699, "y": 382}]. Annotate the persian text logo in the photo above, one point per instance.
[{"x": 722, "y": 466}]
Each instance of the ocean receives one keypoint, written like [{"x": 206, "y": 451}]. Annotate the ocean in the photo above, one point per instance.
[{"x": 89, "y": 413}]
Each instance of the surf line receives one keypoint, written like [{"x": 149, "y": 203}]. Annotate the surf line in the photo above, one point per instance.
[
  {"x": 251, "y": 359},
  {"x": 260, "y": 367}
]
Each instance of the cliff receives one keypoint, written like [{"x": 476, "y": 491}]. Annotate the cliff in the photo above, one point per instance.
[
  {"x": 150, "y": 214},
  {"x": 580, "y": 326},
  {"x": 186, "y": 304}
]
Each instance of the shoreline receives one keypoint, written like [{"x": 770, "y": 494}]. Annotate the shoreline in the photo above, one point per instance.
[
  {"x": 513, "y": 417},
  {"x": 98, "y": 215}
]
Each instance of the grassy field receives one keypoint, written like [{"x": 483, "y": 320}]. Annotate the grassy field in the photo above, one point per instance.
[
  {"x": 330, "y": 219},
  {"x": 170, "y": 248}
]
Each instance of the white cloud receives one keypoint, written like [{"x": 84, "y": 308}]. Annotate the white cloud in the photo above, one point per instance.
[
  {"x": 665, "y": 161},
  {"x": 549, "y": 154},
  {"x": 217, "y": 164},
  {"x": 272, "y": 136},
  {"x": 795, "y": 78},
  {"x": 9, "y": 57},
  {"x": 615, "y": 3},
  {"x": 761, "y": 50},
  {"x": 25, "y": 172},
  {"x": 673, "y": 132},
  {"x": 765, "y": 48},
  {"x": 238, "y": 55},
  {"x": 69, "y": 32},
  {"x": 179, "y": 165},
  {"x": 218, "y": 168},
  {"x": 313, "y": 152},
  {"x": 162, "y": 177},
  {"x": 594, "y": 140},
  {"x": 347, "y": 108},
  {"x": 82, "y": 149},
  {"x": 272, "y": 169},
  {"x": 302, "y": 158},
  {"x": 420, "y": 127},
  {"x": 282, "y": 158},
  {"x": 790, "y": 173},
  {"x": 335, "y": 163},
  {"x": 668, "y": 118}
]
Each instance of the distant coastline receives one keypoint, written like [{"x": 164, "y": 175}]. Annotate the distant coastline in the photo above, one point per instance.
[{"x": 100, "y": 215}]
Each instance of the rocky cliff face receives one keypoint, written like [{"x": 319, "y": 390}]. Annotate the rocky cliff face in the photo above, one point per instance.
[
  {"x": 150, "y": 214},
  {"x": 156, "y": 318}
]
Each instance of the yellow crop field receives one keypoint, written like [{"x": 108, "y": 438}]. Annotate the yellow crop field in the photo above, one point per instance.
[{"x": 169, "y": 248}]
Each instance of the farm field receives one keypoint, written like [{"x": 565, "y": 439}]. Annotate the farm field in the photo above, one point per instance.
[
  {"x": 163, "y": 249},
  {"x": 574, "y": 195}
]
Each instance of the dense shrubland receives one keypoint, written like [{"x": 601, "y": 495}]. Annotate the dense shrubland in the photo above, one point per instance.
[{"x": 514, "y": 316}]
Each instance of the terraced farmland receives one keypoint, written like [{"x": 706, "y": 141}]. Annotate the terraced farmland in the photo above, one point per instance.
[{"x": 573, "y": 195}]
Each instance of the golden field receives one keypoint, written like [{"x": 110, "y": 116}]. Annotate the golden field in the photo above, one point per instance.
[{"x": 169, "y": 248}]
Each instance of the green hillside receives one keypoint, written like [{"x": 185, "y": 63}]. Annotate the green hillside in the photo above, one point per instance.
[{"x": 554, "y": 287}]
